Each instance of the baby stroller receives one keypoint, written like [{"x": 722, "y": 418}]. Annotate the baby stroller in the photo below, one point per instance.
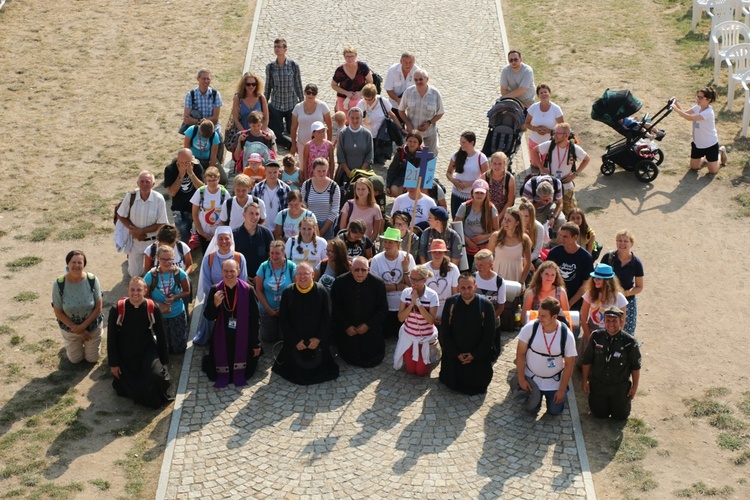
[
  {"x": 504, "y": 129},
  {"x": 636, "y": 151}
]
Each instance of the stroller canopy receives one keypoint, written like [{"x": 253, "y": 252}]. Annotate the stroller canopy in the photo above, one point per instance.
[
  {"x": 504, "y": 130},
  {"x": 615, "y": 105}
]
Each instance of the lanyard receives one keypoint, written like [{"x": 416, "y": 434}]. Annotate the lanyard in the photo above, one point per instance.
[
  {"x": 234, "y": 302},
  {"x": 280, "y": 279},
  {"x": 167, "y": 290},
  {"x": 551, "y": 342},
  {"x": 560, "y": 158}
]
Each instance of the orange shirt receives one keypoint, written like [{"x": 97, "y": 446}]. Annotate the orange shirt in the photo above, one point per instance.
[{"x": 257, "y": 175}]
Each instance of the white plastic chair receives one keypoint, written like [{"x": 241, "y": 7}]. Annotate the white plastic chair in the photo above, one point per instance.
[
  {"x": 738, "y": 62},
  {"x": 725, "y": 35},
  {"x": 698, "y": 7},
  {"x": 746, "y": 109},
  {"x": 720, "y": 11}
]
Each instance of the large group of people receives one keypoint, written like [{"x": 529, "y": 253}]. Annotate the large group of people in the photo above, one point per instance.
[{"x": 301, "y": 250}]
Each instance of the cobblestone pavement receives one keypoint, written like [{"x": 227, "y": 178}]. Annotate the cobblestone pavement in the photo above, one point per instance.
[{"x": 375, "y": 433}]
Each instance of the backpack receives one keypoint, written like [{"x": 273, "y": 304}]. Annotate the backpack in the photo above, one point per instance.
[
  {"x": 202, "y": 196},
  {"x": 89, "y": 276},
  {"x": 307, "y": 187},
  {"x": 229, "y": 207},
  {"x": 508, "y": 175},
  {"x": 455, "y": 299},
  {"x": 498, "y": 284},
  {"x": 130, "y": 206},
  {"x": 534, "y": 179},
  {"x": 237, "y": 258},
  {"x": 571, "y": 154},
  {"x": 377, "y": 80},
  {"x": 154, "y": 248},
  {"x": 155, "y": 278},
  {"x": 149, "y": 310},
  {"x": 563, "y": 339},
  {"x": 285, "y": 214}
]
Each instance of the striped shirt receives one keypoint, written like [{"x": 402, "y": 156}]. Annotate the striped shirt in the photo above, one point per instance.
[
  {"x": 415, "y": 324},
  {"x": 321, "y": 204},
  {"x": 283, "y": 85}
]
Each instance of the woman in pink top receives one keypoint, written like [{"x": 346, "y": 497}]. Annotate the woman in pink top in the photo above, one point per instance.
[
  {"x": 317, "y": 147},
  {"x": 363, "y": 207}
]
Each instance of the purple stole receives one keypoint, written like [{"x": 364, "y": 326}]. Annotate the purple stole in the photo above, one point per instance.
[{"x": 240, "y": 339}]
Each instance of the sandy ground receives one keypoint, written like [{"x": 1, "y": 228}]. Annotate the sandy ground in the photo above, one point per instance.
[{"x": 83, "y": 126}]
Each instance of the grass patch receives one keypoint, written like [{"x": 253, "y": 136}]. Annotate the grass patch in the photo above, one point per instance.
[
  {"x": 41, "y": 346},
  {"x": 20, "y": 317},
  {"x": 52, "y": 490},
  {"x": 701, "y": 489},
  {"x": 12, "y": 370},
  {"x": 744, "y": 404},
  {"x": 727, "y": 422},
  {"x": 6, "y": 330},
  {"x": 743, "y": 200},
  {"x": 26, "y": 296},
  {"x": 730, "y": 441},
  {"x": 638, "y": 477},
  {"x": 704, "y": 407},
  {"x": 743, "y": 458},
  {"x": 102, "y": 484},
  {"x": 131, "y": 429},
  {"x": 635, "y": 442},
  {"x": 18, "y": 492},
  {"x": 40, "y": 234},
  {"x": 77, "y": 232},
  {"x": 23, "y": 262},
  {"x": 716, "y": 392},
  {"x": 133, "y": 465},
  {"x": 16, "y": 339}
]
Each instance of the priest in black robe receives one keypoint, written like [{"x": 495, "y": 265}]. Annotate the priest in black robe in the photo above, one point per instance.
[
  {"x": 137, "y": 348},
  {"x": 466, "y": 337},
  {"x": 305, "y": 315},
  {"x": 235, "y": 348},
  {"x": 361, "y": 305}
]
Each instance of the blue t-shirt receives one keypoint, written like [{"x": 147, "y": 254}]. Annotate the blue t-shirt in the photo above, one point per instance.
[
  {"x": 275, "y": 281},
  {"x": 166, "y": 283},
  {"x": 200, "y": 146}
]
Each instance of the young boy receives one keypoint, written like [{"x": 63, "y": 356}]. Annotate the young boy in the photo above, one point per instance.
[
  {"x": 233, "y": 209},
  {"x": 207, "y": 202},
  {"x": 254, "y": 168}
]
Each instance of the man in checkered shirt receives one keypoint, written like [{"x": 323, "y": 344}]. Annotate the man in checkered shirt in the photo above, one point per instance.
[
  {"x": 203, "y": 101},
  {"x": 283, "y": 91},
  {"x": 420, "y": 109}
]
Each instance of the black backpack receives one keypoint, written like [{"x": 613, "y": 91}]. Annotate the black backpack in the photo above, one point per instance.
[
  {"x": 307, "y": 187},
  {"x": 534, "y": 179},
  {"x": 563, "y": 340},
  {"x": 377, "y": 80},
  {"x": 229, "y": 207},
  {"x": 571, "y": 154},
  {"x": 180, "y": 251}
]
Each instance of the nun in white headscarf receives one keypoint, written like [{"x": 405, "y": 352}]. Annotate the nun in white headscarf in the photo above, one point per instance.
[{"x": 220, "y": 249}]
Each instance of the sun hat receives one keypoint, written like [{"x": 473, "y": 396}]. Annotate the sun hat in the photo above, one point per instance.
[
  {"x": 603, "y": 272},
  {"x": 528, "y": 399},
  {"x": 480, "y": 185},
  {"x": 255, "y": 157},
  {"x": 318, "y": 126},
  {"x": 438, "y": 245},
  {"x": 391, "y": 234},
  {"x": 440, "y": 213}
]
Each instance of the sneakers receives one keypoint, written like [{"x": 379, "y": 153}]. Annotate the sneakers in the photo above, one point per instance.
[{"x": 723, "y": 155}]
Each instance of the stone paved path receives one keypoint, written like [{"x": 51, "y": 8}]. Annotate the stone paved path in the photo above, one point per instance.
[{"x": 373, "y": 433}]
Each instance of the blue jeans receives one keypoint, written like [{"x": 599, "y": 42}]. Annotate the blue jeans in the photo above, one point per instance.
[
  {"x": 552, "y": 407},
  {"x": 183, "y": 221}
]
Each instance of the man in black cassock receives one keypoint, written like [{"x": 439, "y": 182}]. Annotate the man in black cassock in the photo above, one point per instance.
[
  {"x": 467, "y": 331},
  {"x": 360, "y": 302}
]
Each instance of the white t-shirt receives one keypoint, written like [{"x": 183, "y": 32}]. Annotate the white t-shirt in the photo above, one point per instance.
[
  {"x": 490, "y": 290},
  {"x": 374, "y": 114},
  {"x": 551, "y": 362},
  {"x": 391, "y": 273},
  {"x": 558, "y": 166},
  {"x": 541, "y": 118},
  {"x": 596, "y": 309},
  {"x": 271, "y": 201},
  {"x": 209, "y": 214},
  {"x": 291, "y": 226},
  {"x": 704, "y": 131},
  {"x": 236, "y": 218},
  {"x": 405, "y": 204},
  {"x": 395, "y": 81},
  {"x": 305, "y": 121},
  {"x": 443, "y": 285},
  {"x": 415, "y": 323},
  {"x": 472, "y": 171},
  {"x": 313, "y": 252},
  {"x": 178, "y": 260}
]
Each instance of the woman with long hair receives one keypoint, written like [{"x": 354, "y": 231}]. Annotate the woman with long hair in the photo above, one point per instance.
[
  {"x": 363, "y": 207},
  {"x": 307, "y": 246},
  {"x": 334, "y": 265},
  {"x": 248, "y": 98},
  {"x": 511, "y": 247},
  {"x": 603, "y": 291},
  {"x": 547, "y": 281},
  {"x": 480, "y": 219},
  {"x": 587, "y": 238},
  {"x": 502, "y": 184},
  {"x": 534, "y": 230},
  {"x": 466, "y": 165},
  {"x": 445, "y": 275}
]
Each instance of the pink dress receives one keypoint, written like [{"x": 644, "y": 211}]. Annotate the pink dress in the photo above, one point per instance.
[
  {"x": 315, "y": 152},
  {"x": 509, "y": 261}
]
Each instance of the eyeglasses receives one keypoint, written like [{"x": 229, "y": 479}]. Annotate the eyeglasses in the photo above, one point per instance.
[
  {"x": 700, "y": 97},
  {"x": 251, "y": 84},
  {"x": 310, "y": 92},
  {"x": 561, "y": 133},
  {"x": 416, "y": 280},
  {"x": 165, "y": 260},
  {"x": 513, "y": 59},
  {"x": 419, "y": 79}
]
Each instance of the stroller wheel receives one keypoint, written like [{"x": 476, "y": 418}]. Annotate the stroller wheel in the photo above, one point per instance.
[
  {"x": 646, "y": 171},
  {"x": 608, "y": 168},
  {"x": 658, "y": 156}
]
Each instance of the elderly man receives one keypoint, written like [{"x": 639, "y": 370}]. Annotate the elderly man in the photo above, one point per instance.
[
  {"x": 467, "y": 331},
  {"x": 517, "y": 80},
  {"x": 575, "y": 263},
  {"x": 546, "y": 353},
  {"x": 182, "y": 178},
  {"x": 143, "y": 212},
  {"x": 611, "y": 358},
  {"x": 400, "y": 77},
  {"x": 421, "y": 107},
  {"x": 202, "y": 102},
  {"x": 305, "y": 314},
  {"x": 546, "y": 193},
  {"x": 283, "y": 91},
  {"x": 562, "y": 154},
  {"x": 354, "y": 148},
  {"x": 359, "y": 299}
]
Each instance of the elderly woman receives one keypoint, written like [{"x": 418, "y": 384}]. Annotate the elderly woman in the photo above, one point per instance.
[
  {"x": 354, "y": 148},
  {"x": 273, "y": 276},
  {"x": 137, "y": 348},
  {"x": 168, "y": 285},
  {"x": 304, "y": 114},
  {"x": 219, "y": 250},
  {"x": 349, "y": 79},
  {"x": 629, "y": 270},
  {"x": 418, "y": 312},
  {"x": 204, "y": 142},
  {"x": 541, "y": 120},
  {"x": 305, "y": 312},
  {"x": 249, "y": 98},
  {"x": 77, "y": 302}
]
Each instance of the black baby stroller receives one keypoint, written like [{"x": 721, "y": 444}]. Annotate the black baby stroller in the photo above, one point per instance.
[
  {"x": 504, "y": 129},
  {"x": 636, "y": 151}
]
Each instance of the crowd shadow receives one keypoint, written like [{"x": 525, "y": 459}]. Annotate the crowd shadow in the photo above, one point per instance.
[{"x": 444, "y": 417}]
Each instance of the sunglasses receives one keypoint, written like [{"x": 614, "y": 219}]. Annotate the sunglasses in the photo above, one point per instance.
[
  {"x": 311, "y": 92},
  {"x": 514, "y": 59},
  {"x": 251, "y": 84}
]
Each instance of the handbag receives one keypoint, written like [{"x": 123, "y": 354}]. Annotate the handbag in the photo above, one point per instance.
[
  {"x": 231, "y": 136},
  {"x": 392, "y": 130}
]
